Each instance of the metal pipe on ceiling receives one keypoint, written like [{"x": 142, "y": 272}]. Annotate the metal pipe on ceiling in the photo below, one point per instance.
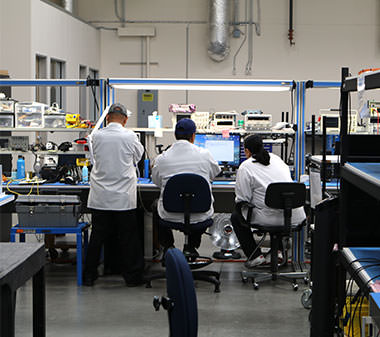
[
  {"x": 68, "y": 5},
  {"x": 219, "y": 14},
  {"x": 291, "y": 30}
]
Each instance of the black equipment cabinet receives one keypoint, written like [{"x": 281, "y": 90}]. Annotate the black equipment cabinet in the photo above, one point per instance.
[{"x": 359, "y": 202}]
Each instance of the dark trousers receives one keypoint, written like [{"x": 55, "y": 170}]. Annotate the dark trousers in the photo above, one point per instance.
[
  {"x": 165, "y": 234},
  {"x": 121, "y": 227},
  {"x": 245, "y": 236}
]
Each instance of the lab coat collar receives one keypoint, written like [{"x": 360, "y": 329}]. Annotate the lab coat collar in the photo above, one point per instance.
[
  {"x": 114, "y": 125},
  {"x": 182, "y": 141}
]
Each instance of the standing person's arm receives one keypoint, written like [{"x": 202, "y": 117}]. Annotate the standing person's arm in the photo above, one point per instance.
[{"x": 138, "y": 150}]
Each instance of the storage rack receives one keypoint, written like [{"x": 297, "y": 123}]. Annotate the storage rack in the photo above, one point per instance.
[
  {"x": 52, "y": 83},
  {"x": 360, "y": 182},
  {"x": 359, "y": 191}
]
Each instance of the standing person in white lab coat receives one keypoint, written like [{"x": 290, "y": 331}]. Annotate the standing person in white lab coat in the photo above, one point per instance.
[
  {"x": 253, "y": 177},
  {"x": 183, "y": 157},
  {"x": 113, "y": 198}
]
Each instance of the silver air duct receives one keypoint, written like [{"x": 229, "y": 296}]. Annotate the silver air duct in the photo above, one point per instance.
[
  {"x": 68, "y": 5},
  {"x": 219, "y": 47}
]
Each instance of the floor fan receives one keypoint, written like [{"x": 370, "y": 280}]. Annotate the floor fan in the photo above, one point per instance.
[{"x": 223, "y": 236}]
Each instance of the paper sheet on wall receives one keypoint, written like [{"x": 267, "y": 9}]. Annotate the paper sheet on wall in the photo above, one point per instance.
[
  {"x": 362, "y": 104},
  {"x": 315, "y": 188}
]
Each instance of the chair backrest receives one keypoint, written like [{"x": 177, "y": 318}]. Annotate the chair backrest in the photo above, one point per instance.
[
  {"x": 285, "y": 195},
  {"x": 183, "y": 317},
  {"x": 194, "y": 186}
]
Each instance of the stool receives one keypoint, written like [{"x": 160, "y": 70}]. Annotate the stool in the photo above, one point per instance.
[{"x": 81, "y": 230}]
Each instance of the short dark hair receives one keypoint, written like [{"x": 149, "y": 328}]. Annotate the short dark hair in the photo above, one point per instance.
[{"x": 184, "y": 137}]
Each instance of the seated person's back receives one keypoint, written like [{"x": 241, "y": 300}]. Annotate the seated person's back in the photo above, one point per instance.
[
  {"x": 183, "y": 157},
  {"x": 252, "y": 181}
]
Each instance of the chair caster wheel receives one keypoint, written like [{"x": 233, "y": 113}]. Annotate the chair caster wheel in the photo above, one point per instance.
[
  {"x": 255, "y": 286},
  {"x": 295, "y": 286},
  {"x": 306, "y": 280},
  {"x": 244, "y": 279},
  {"x": 217, "y": 289}
]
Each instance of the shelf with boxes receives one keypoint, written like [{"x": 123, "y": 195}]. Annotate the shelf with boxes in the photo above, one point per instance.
[{"x": 39, "y": 120}]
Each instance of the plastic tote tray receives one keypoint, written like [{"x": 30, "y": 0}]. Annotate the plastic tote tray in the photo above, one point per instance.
[{"x": 48, "y": 210}]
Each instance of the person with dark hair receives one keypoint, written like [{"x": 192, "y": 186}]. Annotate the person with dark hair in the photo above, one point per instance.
[
  {"x": 113, "y": 198},
  {"x": 182, "y": 157},
  {"x": 252, "y": 179}
]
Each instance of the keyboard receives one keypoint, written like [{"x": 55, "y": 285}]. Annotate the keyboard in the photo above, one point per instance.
[{"x": 222, "y": 178}]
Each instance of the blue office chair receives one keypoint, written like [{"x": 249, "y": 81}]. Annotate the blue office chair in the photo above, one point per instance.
[
  {"x": 181, "y": 302},
  {"x": 285, "y": 196},
  {"x": 189, "y": 193}
]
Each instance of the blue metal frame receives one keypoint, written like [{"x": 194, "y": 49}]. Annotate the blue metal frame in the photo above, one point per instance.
[
  {"x": 296, "y": 155},
  {"x": 81, "y": 230},
  {"x": 316, "y": 84},
  {"x": 326, "y": 84},
  {"x": 41, "y": 82},
  {"x": 101, "y": 98},
  {"x": 303, "y": 128}
]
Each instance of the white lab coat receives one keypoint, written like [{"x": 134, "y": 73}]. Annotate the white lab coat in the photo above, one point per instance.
[
  {"x": 252, "y": 180},
  {"x": 116, "y": 151},
  {"x": 183, "y": 157}
]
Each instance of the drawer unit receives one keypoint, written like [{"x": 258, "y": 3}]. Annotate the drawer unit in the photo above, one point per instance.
[
  {"x": 7, "y": 106},
  {"x": 6, "y": 121},
  {"x": 55, "y": 120}
]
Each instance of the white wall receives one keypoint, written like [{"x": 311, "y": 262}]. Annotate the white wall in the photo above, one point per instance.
[
  {"x": 328, "y": 35},
  {"x": 15, "y": 38},
  {"x": 55, "y": 34}
]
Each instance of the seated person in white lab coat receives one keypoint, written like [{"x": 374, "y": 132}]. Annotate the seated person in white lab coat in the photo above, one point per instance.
[
  {"x": 253, "y": 177},
  {"x": 182, "y": 157},
  {"x": 113, "y": 198}
]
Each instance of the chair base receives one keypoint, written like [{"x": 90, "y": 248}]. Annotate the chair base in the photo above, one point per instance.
[
  {"x": 258, "y": 277},
  {"x": 199, "y": 275}
]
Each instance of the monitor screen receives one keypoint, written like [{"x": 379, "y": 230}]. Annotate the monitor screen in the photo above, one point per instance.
[{"x": 223, "y": 149}]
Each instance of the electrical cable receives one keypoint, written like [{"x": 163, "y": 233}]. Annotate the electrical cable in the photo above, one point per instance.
[
  {"x": 349, "y": 114},
  {"x": 242, "y": 43},
  {"x": 117, "y": 10},
  {"x": 360, "y": 313},
  {"x": 351, "y": 282},
  {"x": 93, "y": 93}
]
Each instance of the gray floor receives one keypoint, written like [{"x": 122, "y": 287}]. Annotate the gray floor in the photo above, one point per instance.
[{"x": 111, "y": 309}]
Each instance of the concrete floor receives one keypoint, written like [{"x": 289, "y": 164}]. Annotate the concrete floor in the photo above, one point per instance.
[{"x": 110, "y": 309}]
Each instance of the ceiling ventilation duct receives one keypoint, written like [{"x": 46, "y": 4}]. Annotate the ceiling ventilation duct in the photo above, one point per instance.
[
  {"x": 219, "y": 47},
  {"x": 68, "y": 5}
]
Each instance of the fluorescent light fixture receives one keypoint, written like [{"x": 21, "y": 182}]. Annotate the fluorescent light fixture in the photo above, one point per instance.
[
  {"x": 200, "y": 87},
  {"x": 200, "y": 84}
]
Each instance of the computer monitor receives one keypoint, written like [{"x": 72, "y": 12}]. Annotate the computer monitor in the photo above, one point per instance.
[{"x": 225, "y": 150}]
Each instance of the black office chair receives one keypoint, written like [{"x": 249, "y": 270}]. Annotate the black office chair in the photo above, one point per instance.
[
  {"x": 181, "y": 300},
  {"x": 285, "y": 196},
  {"x": 189, "y": 193}
]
